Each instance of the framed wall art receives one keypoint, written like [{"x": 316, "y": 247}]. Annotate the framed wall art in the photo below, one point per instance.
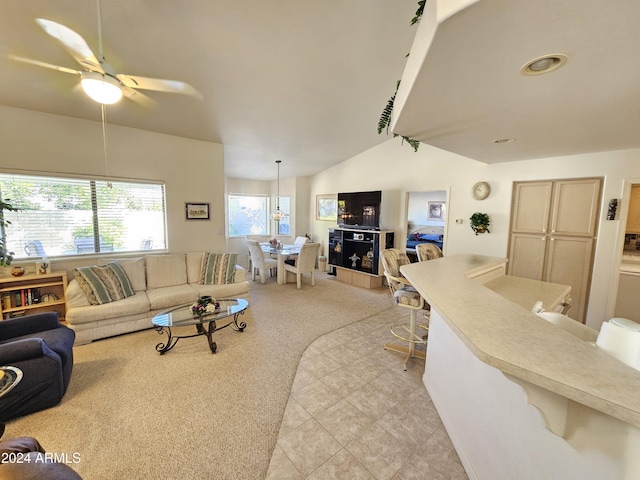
[
  {"x": 326, "y": 207},
  {"x": 197, "y": 211},
  {"x": 436, "y": 210}
]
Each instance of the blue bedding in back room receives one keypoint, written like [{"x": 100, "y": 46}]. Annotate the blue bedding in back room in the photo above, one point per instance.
[{"x": 416, "y": 238}]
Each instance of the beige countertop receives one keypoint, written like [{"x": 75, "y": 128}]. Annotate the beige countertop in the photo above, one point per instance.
[
  {"x": 526, "y": 292},
  {"x": 503, "y": 334}
]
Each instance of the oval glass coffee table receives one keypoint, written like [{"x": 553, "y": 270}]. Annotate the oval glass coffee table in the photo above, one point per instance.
[{"x": 205, "y": 325}]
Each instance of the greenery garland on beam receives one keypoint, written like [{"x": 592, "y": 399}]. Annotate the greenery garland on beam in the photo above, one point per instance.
[{"x": 385, "y": 118}]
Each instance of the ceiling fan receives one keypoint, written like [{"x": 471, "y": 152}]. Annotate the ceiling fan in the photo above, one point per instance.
[{"x": 99, "y": 80}]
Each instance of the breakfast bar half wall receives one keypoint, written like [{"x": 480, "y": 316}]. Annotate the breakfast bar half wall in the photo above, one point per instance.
[{"x": 520, "y": 397}]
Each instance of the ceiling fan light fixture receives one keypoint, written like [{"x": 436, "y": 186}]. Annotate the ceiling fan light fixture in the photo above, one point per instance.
[{"x": 101, "y": 88}]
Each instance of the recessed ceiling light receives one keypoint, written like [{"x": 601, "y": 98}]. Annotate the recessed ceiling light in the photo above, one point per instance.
[
  {"x": 544, "y": 64},
  {"x": 504, "y": 140}
]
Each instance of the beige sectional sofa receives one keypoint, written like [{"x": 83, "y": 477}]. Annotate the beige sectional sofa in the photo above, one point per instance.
[{"x": 159, "y": 282}]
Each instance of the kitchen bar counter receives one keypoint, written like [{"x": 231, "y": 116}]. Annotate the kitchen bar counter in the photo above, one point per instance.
[
  {"x": 524, "y": 290},
  {"x": 487, "y": 348}
]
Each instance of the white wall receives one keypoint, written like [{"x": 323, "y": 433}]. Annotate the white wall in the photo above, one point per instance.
[
  {"x": 396, "y": 169},
  {"x": 193, "y": 171}
]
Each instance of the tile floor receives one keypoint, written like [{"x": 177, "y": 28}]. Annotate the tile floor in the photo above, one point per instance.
[{"x": 354, "y": 413}]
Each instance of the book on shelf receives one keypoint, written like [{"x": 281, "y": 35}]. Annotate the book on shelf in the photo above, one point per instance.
[{"x": 21, "y": 298}]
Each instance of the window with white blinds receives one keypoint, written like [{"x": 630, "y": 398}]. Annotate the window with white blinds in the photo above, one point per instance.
[
  {"x": 247, "y": 215},
  {"x": 68, "y": 216}
]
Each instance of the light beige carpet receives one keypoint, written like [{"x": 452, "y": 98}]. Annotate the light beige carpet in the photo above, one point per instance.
[{"x": 131, "y": 413}]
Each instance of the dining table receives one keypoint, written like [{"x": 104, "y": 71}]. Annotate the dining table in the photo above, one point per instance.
[{"x": 282, "y": 252}]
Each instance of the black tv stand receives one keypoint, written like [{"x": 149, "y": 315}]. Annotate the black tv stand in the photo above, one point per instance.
[{"x": 354, "y": 253}]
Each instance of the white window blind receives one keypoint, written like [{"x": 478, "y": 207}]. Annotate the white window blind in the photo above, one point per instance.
[
  {"x": 66, "y": 216},
  {"x": 247, "y": 215}
]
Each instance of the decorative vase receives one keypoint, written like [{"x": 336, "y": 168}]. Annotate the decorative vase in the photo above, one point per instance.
[
  {"x": 205, "y": 300},
  {"x": 17, "y": 271}
]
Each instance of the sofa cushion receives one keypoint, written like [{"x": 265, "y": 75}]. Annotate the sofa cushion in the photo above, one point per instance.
[
  {"x": 134, "y": 267},
  {"x": 218, "y": 268},
  {"x": 166, "y": 270},
  {"x": 139, "y": 303},
  {"x": 104, "y": 283},
  {"x": 75, "y": 296},
  {"x": 194, "y": 267},
  {"x": 166, "y": 297}
]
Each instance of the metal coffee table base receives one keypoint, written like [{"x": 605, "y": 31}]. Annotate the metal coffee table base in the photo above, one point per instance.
[{"x": 201, "y": 329}]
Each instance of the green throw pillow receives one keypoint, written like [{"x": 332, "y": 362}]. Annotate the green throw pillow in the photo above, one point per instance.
[
  {"x": 218, "y": 268},
  {"x": 104, "y": 283}
]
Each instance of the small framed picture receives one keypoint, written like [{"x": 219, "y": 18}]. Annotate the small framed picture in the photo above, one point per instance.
[
  {"x": 197, "y": 211},
  {"x": 436, "y": 210},
  {"x": 326, "y": 207}
]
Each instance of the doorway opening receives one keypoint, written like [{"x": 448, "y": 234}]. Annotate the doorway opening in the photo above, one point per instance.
[{"x": 426, "y": 220}]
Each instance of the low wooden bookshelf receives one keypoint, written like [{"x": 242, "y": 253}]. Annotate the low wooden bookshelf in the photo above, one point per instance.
[{"x": 29, "y": 294}]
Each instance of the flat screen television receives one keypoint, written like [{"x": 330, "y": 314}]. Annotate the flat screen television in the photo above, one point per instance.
[{"x": 360, "y": 210}]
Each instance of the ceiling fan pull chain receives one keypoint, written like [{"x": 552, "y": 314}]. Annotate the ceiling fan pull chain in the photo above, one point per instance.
[{"x": 103, "y": 108}]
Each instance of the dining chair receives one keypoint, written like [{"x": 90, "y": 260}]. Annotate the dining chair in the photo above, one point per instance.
[
  {"x": 299, "y": 241},
  {"x": 406, "y": 296},
  {"x": 428, "y": 251},
  {"x": 258, "y": 261},
  {"x": 304, "y": 263}
]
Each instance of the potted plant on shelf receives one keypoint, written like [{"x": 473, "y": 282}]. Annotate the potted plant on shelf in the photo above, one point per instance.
[
  {"x": 480, "y": 223},
  {"x": 5, "y": 256}
]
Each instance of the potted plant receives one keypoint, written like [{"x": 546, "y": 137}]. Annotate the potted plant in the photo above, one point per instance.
[
  {"x": 5, "y": 256},
  {"x": 480, "y": 223}
]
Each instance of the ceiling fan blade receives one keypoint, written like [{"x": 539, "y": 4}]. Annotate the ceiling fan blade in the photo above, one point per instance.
[
  {"x": 158, "y": 84},
  {"x": 138, "y": 97},
  {"x": 72, "y": 42},
  {"x": 43, "y": 64}
]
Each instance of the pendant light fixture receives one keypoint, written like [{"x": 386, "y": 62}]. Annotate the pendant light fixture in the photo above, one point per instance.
[{"x": 278, "y": 215}]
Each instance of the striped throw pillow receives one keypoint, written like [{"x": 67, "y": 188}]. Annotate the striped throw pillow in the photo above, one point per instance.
[
  {"x": 104, "y": 283},
  {"x": 218, "y": 268}
]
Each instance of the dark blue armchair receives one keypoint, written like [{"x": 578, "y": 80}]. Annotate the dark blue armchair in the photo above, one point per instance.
[{"x": 42, "y": 348}]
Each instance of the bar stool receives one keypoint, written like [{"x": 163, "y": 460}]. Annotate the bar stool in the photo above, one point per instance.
[{"x": 406, "y": 296}]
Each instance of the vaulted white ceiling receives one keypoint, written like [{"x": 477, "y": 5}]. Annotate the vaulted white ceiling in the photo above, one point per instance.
[
  {"x": 304, "y": 82},
  {"x": 463, "y": 88}
]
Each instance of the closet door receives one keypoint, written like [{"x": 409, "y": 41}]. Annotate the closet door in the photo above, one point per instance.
[
  {"x": 528, "y": 255},
  {"x": 531, "y": 207},
  {"x": 552, "y": 237},
  {"x": 575, "y": 207},
  {"x": 530, "y": 211},
  {"x": 569, "y": 263}
]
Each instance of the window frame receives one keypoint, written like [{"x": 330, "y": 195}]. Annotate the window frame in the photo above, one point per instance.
[
  {"x": 101, "y": 211},
  {"x": 287, "y": 211},
  {"x": 267, "y": 223}
]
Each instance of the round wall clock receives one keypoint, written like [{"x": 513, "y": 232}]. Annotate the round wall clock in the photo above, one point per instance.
[{"x": 481, "y": 190}]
